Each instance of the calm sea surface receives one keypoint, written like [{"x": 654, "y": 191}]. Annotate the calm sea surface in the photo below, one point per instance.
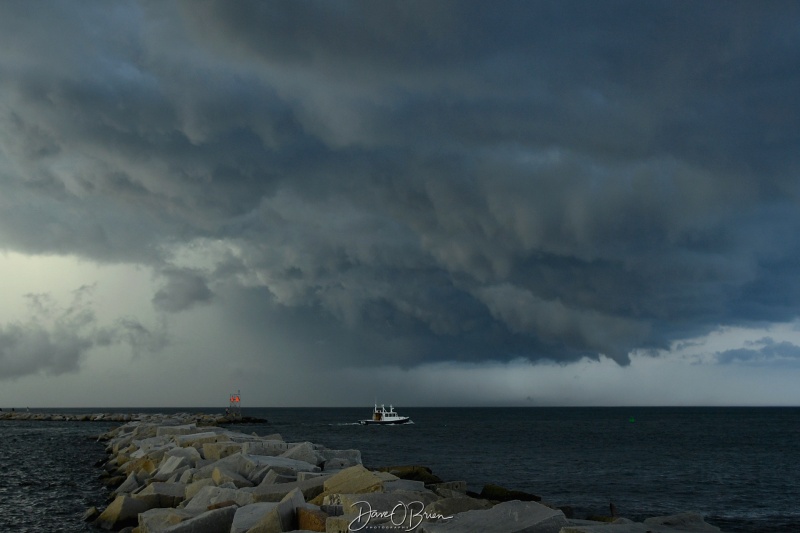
[{"x": 740, "y": 467}]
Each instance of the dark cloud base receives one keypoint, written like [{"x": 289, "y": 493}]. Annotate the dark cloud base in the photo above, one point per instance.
[{"x": 414, "y": 181}]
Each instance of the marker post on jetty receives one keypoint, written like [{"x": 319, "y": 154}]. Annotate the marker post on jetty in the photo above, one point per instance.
[{"x": 234, "y": 411}]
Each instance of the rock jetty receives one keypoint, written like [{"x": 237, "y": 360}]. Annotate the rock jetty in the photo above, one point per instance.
[
  {"x": 174, "y": 475},
  {"x": 200, "y": 419}
]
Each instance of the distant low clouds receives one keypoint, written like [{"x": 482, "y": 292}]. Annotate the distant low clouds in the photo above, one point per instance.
[
  {"x": 448, "y": 181},
  {"x": 765, "y": 351},
  {"x": 55, "y": 339}
]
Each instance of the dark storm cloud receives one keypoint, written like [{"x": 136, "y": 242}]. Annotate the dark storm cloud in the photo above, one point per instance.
[
  {"x": 182, "y": 290},
  {"x": 54, "y": 339},
  {"x": 439, "y": 180}
]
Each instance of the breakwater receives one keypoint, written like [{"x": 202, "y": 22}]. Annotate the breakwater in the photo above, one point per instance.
[
  {"x": 200, "y": 419},
  {"x": 169, "y": 473}
]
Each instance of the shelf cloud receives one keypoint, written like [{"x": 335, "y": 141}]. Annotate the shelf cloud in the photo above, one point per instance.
[{"x": 411, "y": 183}]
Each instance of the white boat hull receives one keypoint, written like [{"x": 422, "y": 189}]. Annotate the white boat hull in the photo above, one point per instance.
[
  {"x": 383, "y": 417},
  {"x": 400, "y": 420}
]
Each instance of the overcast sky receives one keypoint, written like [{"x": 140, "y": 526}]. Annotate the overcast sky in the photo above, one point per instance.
[{"x": 424, "y": 203}]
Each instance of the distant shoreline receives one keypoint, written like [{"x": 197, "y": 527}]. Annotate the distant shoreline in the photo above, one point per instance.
[
  {"x": 202, "y": 409},
  {"x": 201, "y": 419}
]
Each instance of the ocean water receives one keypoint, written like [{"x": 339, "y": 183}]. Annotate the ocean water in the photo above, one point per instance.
[
  {"x": 47, "y": 475},
  {"x": 739, "y": 467}
]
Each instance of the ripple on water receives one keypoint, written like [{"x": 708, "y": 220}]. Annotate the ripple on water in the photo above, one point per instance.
[{"x": 48, "y": 475}]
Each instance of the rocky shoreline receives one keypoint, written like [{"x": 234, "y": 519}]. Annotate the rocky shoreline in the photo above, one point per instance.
[{"x": 169, "y": 473}]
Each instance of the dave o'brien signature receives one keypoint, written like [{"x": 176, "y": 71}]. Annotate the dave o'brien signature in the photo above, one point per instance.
[{"x": 403, "y": 515}]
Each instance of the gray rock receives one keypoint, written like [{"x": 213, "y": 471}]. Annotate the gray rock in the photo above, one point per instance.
[
  {"x": 354, "y": 480},
  {"x": 164, "y": 494},
  {"x": 176, "y": 430},
  {"x": 271, "y": 477},
  {"x": 310, "y": 517},
  {"x": 198, "y": 439},
  {"x": 157, "y": 453},
  {"x": 128, "y": 486},
  {"x": 453, "y": 506},
  {"x": 305, "y": 452},
  {"x": 679, "y": 523},
  {"x": 449, "y": 493},
  {"x": 90, "y": 514},
  {"x": 248, "y": 516},
  {"x": 157, "y": 520},
  {"x": 507, "y": 517},
  {"x": 210, "y": 495},
  {"x": 302, "y": 476},
  {"x": 682, "y": 522},
  {"x": 123, "y": 511},
  {"x": 283, "y": 465},
  {"x": 458, "y": 486},
  {"x": 187, "y": 476},
  {"x": 218, "y": 450},
  {"x": 598, "y": 527},
  {"x": 151, "y": 443},
  {"x": 275, "y": 492},
  {"x": 253, "y": 467},
  {"x": 348, "y": 523},
  {"x": 283, "y": 517},
  {"x": 404, "y": 485},
  {"x": 265, "y": 447},
  {"x": 191, "y": 455},
  {"x": 215, "y": 521},
  {"x": 340, "y": 459},
  {"x": 222, "y": 475},
  {"x": 195, "y": 486},
  {"x": 170, "y": 466}
]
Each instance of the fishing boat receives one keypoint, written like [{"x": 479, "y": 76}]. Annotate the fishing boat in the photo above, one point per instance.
[{"x": 381, "y": 415}]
